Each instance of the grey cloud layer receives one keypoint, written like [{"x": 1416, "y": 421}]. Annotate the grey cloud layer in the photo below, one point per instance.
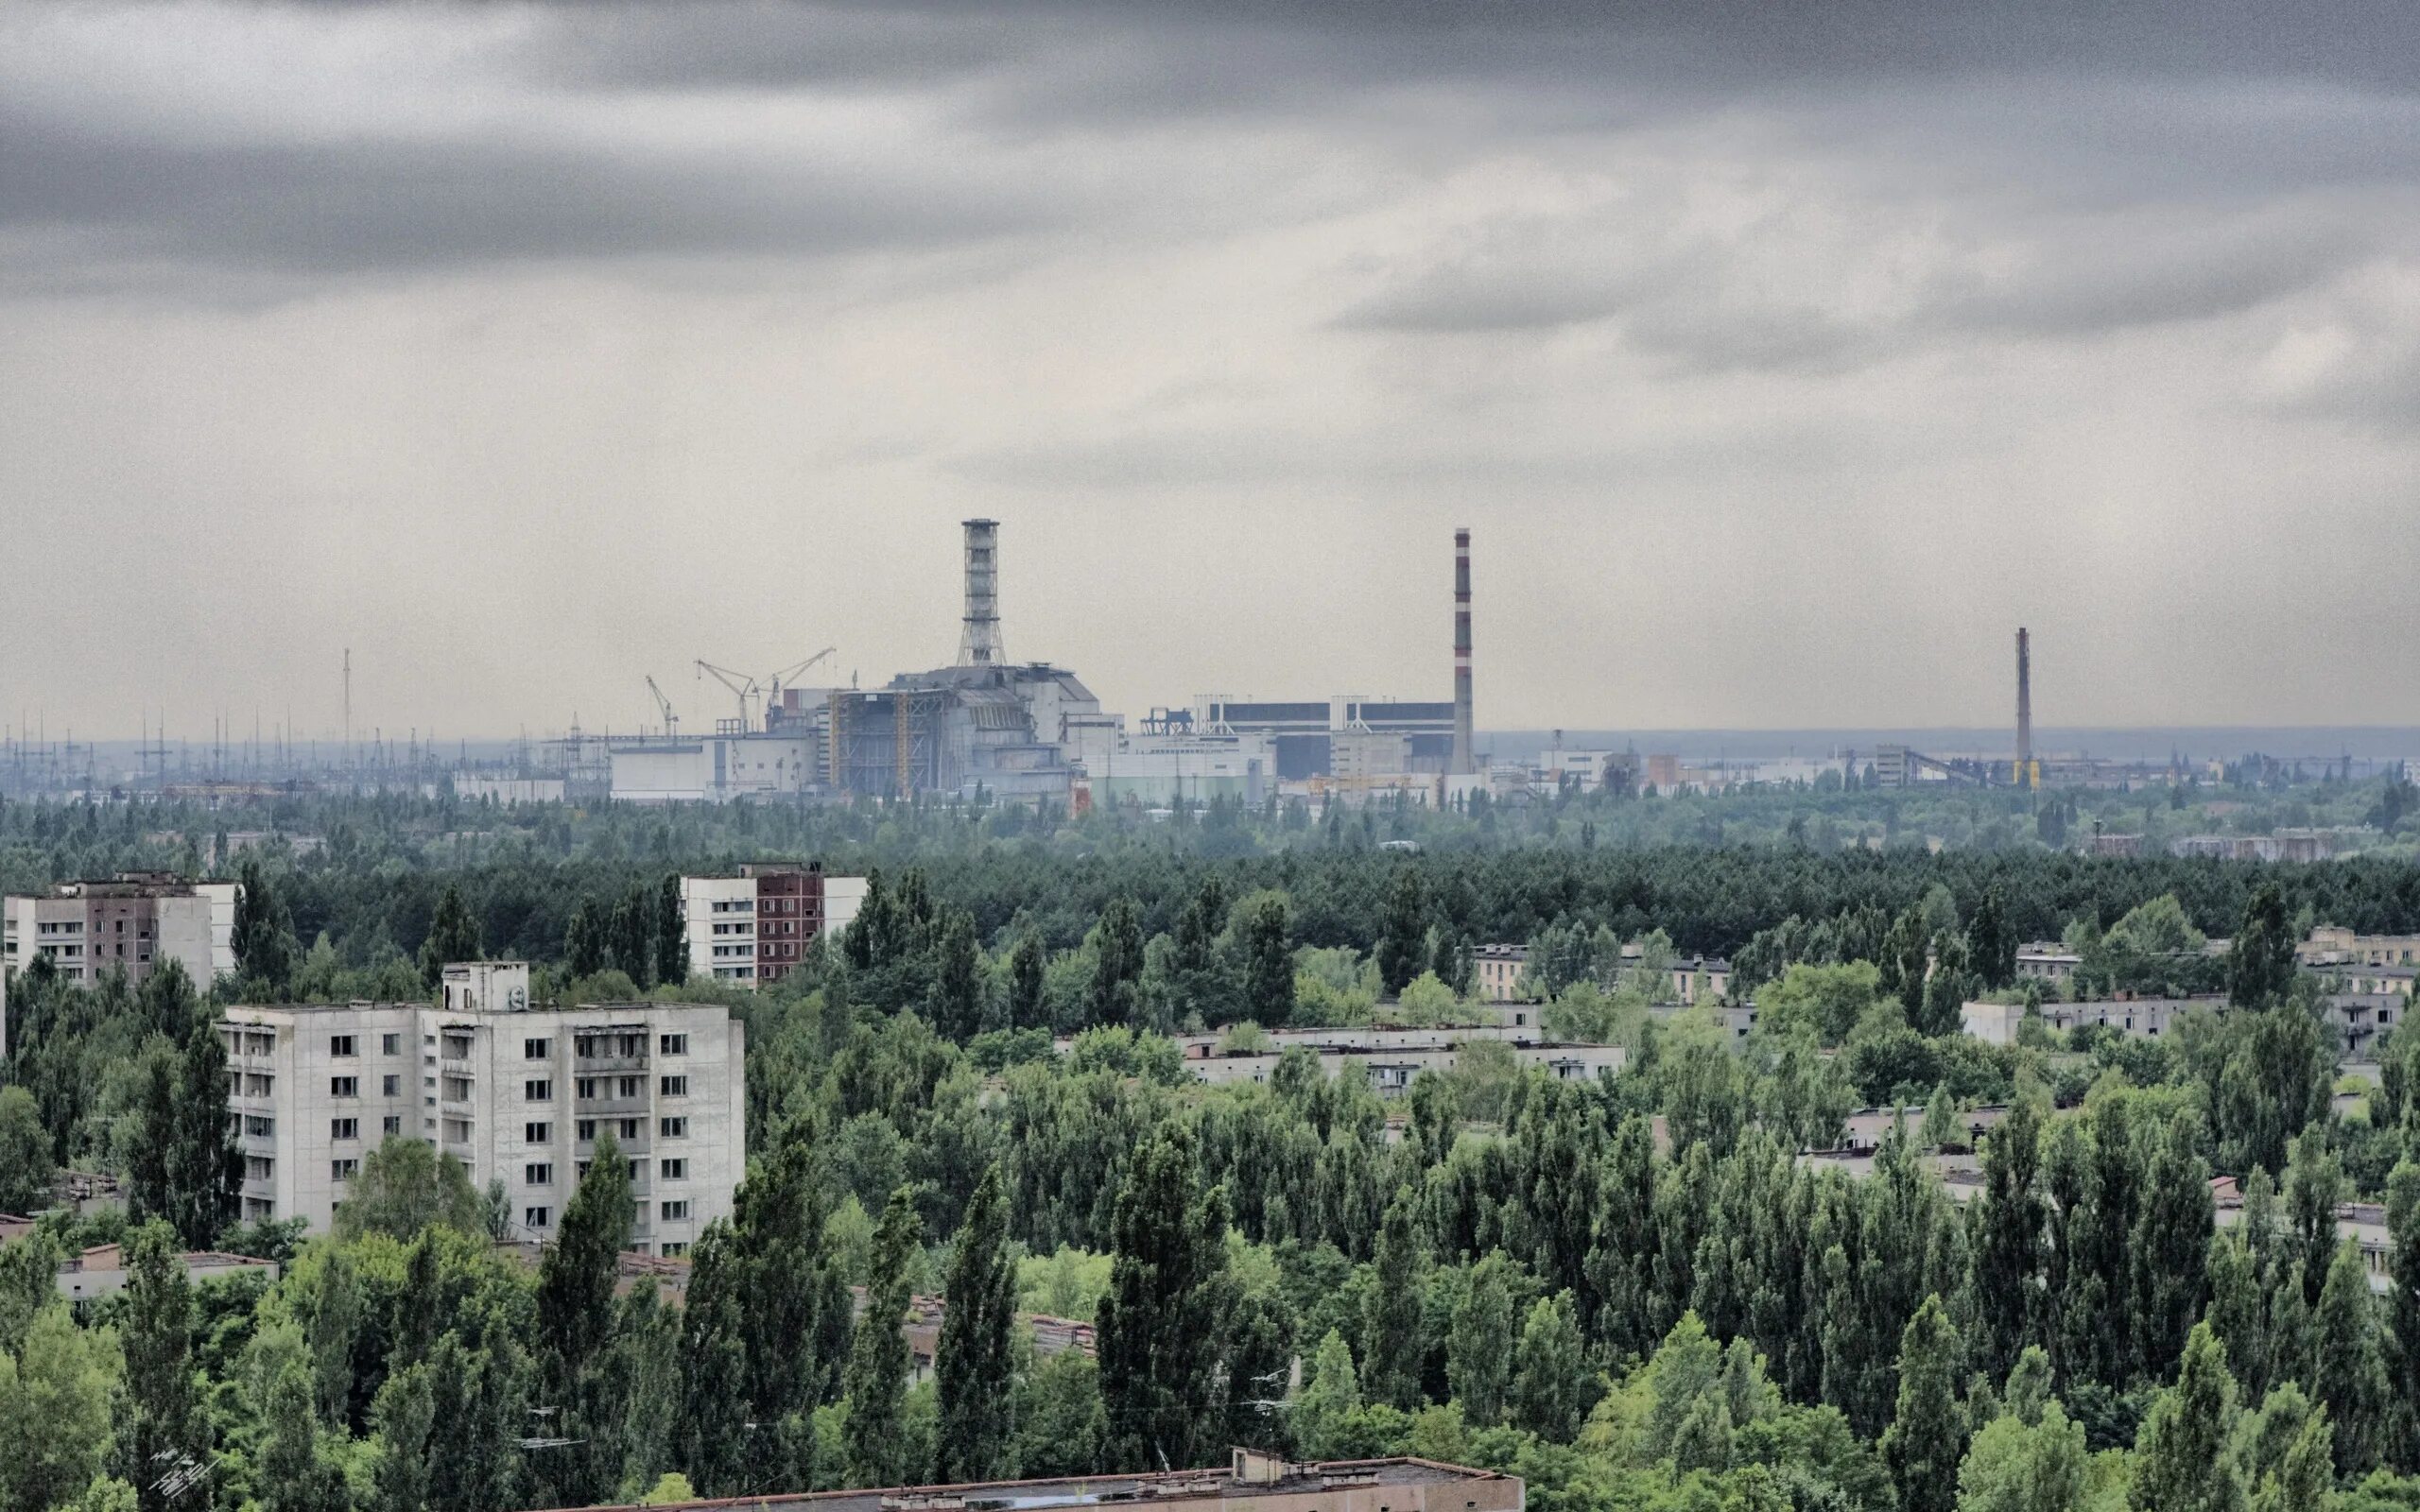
[{"x": 1819, "y": 299}]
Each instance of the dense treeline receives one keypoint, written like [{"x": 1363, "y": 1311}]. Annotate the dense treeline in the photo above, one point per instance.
[
  {"x": 1555, "y": 1292},
  {"x": 1638, "y": 1292}
]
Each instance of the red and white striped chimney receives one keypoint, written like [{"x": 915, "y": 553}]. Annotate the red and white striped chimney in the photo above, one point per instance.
[{"x": 1465, "y": 763}]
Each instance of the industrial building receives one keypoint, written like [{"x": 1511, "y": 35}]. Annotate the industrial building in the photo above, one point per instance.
[
  {"x": 517, "y": 1092},
  {"x": 989, "y": 727},
  {"x": 757, "y": 926}
]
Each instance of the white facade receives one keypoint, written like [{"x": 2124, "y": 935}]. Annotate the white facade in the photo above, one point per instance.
[
  {"x": 473, "y": 787},
  {"x": 724, "y": 917},
  {"x": 518, "y": 1094},
  {"x": 716, "y": 768}
]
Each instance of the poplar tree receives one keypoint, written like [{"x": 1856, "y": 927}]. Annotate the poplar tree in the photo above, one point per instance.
[
  {"x": 1478, "y": 1351},
  {"x": 876, "y": 1377},
  {"x": 454, "y": 935},
  {"x": 1927, "y": 1433},
  {"x": 2260, "y": 959},
  {"x": 672, "y": 933},
  {"x": 1026, "y": 1009},
  {"x": 2181, "y": 1459},
  {"x": 161, "y": 1423},
  {"x": 1392, "y": 1345},
  {"x": 1269, "y": 965},
  {"x": 1117, "y": 962},
  {"x": 401, "y": 1418},
  {"x": 956, "y": 1000},
  {"x": 972, "y": 1359},
  {"x": 2348, "y": 1369},
  {"x": 2403, "y": 1322},
  {"x": 1550, "y": 1373},
  {"x": 2008, "y": 1221},
  {"x": 575, "y": 1305},
  {"x": 1156, "y": 1332},
  {"x": 1403, "y": 932}
]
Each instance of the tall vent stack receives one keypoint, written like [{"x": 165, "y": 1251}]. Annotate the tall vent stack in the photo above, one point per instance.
[
  {"x": 2023, "y": 710},
  {"x": 1463, "y": 762},
  {"x": 978, "y": 645}
]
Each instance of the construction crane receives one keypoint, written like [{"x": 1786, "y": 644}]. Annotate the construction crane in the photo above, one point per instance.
[
  {"x": 789, "y": 672},
  {"x": 743, "y": 687},
  {"x": 664, "y": 706}
]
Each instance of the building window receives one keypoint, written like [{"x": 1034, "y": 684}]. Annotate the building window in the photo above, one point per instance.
[
  {"x": 672, "y": 1128},
  {"x": 537, "y": 1133},
  {"x": 627, "y": 1086},
  {"x": 584, "y": 1129},
  {"x": 339, "y": 1044},
  {"x": 674, "y": 1249},
  {"x": 674, "y": 1086},
  {"x": 538, "y": 1090},
  {"x": 390, "y": 1086},
  {"x": 259, "y": 1126},
  {"x": 258, "y": 1167},
  {"x": 672, "y": 1044},
  {"x": 585, "y": 1086},
  {"x": 536, "y": 1217},
  {"x": 344, "y": 1085},
  {"x": 344, "y": 1128},
  {"x": 637, "y": 1170},
  {"x": 343, "y": 1170},
  {"x": 391, "y": 1044},
  {"x": 536, "y": 1049},
  {"x": 625, "y": 1130},
  {"x": 394, "y": 1124},
  {"x": 674, "y": 1170},
  {"x": 538, "y": 1174},
  {"x": 677, "y": 1209}
]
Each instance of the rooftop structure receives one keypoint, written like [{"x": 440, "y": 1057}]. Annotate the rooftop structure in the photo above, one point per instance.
[
  {"x": 1463, "y": 762},
  {"x": 1252, "y": 1482}
]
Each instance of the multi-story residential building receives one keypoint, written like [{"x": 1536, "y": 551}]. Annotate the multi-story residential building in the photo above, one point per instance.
[
  {"x": 1496, "y": 972},
  {"x": 132, "y": 922},
  {"x": 757, "y": 926},
  {"x": 2332, "y": 945},
  {"x": 2045, "y": 960},
  {"x": 518, "y": 1093},
  {"x": 2355, "y": 1019}
]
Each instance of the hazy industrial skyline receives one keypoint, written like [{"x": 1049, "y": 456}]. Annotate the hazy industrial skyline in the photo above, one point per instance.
[{"x": 1781, "y": 369}]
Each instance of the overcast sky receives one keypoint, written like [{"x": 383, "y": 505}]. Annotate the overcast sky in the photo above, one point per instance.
[{"x": 1783, "y": 359}]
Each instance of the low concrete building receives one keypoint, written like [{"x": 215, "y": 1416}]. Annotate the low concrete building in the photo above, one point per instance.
[
  {"x": 1392, "y": 1065},
  {"x": 2333, "y": 945},
  {"x": 2357, "y": 1020},
  {"x": 100, "y": 1271},
  {"x": 1252, "y": 1482},
  {"x": 2045, "y": 960}
]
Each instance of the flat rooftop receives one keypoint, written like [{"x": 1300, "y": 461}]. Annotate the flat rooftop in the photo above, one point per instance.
[{"x": 1334, "y": 1484}]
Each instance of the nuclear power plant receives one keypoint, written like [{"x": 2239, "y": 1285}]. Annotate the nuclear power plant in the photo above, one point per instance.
[{"x": 986, "y": 728}]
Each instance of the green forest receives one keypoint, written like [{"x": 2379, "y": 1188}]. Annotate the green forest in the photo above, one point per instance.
[{"x": 1631, "y": 1292}]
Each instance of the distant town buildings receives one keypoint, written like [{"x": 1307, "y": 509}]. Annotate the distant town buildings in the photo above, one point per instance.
[
  {"x": 518, "y": 1093},
  {"x": 757, "y": 926},
  {"x": 134, "y": 922}
]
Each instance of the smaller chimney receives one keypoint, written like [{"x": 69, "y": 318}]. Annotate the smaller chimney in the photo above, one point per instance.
[
  {"x": 1464, "y": 761},
  {"x": 2024, "y": 773}
]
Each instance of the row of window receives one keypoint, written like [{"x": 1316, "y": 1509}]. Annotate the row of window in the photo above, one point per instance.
[
  {"x": 671, "y": 1211},
  {"x": 624, "y": 1129},
  {"x": 456, "y": 1047},
  {"x": 542, "y": 1089},
  {"x": 541, "y": 1172}
]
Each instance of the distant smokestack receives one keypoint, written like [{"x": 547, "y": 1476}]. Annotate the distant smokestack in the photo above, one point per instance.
[
  {"x": 1463, "y": 762},
  {"x": 979, "y": 645},
  {"x": 2023, "y": 710}
]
